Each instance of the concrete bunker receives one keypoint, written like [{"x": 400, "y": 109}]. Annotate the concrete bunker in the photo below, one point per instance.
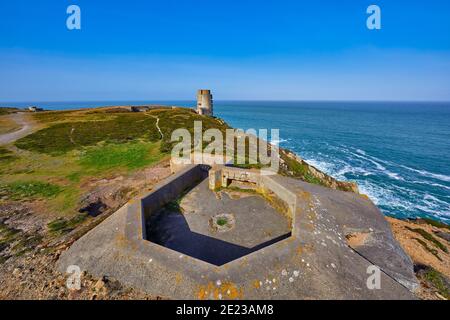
[
  {"x": 296, "y": 267},
  {"x": 208, "y": 220}
]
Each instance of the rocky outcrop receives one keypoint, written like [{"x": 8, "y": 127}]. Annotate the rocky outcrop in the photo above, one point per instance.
[
  {"x": 311, "y": 174},
  {"x": 428, "y": 246}
]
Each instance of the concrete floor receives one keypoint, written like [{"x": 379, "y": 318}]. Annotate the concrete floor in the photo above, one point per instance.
[
  {"x": 316, "y": 262},
  {"x": 187, "y": 228}
]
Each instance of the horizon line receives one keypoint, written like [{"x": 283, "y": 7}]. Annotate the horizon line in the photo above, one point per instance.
[{"x": 4, "y": 103}]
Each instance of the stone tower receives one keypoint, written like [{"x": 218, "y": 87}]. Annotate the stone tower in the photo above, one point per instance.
[{"x": 204, "y": 102}]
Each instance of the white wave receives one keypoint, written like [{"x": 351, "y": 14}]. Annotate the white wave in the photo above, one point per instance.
[
  {"x": 365, "y": 158},
  {"x": 346, "y": 169},
  {"x": 428, "y": 174},
  {"x": 379, "y": 167},
  {"x": 429, "y": 210},
  {"x": 323, "y": 166},
  {"x": 276, "y": 142},
  {"x": 339, "y": 169},
  {"x": 376, "y": 159},
  {"x": 433, "y": 184},
  {"x": 393, "y": 199},
  {"x": 383, "y": 196},
  {"x": 393, "y": 175},
  {"x": 433, "y": 201}
]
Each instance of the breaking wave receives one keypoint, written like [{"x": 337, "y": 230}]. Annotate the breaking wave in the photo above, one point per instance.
[
  {"x": 425, "y": 173},
  {"x": 395, "y": 195}
]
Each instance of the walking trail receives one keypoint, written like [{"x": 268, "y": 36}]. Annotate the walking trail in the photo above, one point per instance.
[
  {"x": 157, "y": 125},
  {"x": 27, "y": 127}
]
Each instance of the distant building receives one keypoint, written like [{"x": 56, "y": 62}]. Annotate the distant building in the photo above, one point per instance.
[
  {"x": 34, "y": 109},
  {"x": 204, "y": 102},
  {"x": 139, "y": 108}
]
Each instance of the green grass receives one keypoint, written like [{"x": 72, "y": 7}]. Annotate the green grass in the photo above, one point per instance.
[
  {"x": 26, "y": 243},
  {"x": 435, "y": 223},
  {"x": 55, "y": 116},
  {"x": 301, "y": 170},
  {"x": 79, "y": 144},
  {"x": 61, "y": 225},
  {"x": 429, "y": 237},
  {"x": 6, "y": 156},
  {"x": 172, "y": 119},
  {"x": 438, "y": 281},
  {"x": 6, "y": 110},
  {"x": 237, "y": 189},
  {"x": 129, "y": 155},
  {"x": 7, "y": 235},
  {"x": 23, "y": 190},
  {"x": 426, "y": 247},
  {"x": 88, "y": 129},
  {"x": 61, "y": 138},
  {"x": 17, "y": 242},
  {"x": 175, "y": 205},
  {"x": 7, "y": 125},
  {"x": 75, "y": 130},
  {"x": 75, "y": 176},
  {"x": 222, "y": 221}
]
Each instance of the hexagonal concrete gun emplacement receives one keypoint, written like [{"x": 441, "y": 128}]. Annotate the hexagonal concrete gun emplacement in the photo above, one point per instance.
[
  {"x": 222, "y": 176},
  {"x": 315, "y": 262}
]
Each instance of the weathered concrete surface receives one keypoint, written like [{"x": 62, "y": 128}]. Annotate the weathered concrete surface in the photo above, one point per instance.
[
  {"x": 315, "y": 263},
  {"x": 344, "y": 213},
  {"x": 256, "y": 221},
  {"x": 172, "y": 188}
]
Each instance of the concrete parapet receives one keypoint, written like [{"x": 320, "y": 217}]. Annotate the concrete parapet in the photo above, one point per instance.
[
  {"x": 199, "y": 158},
  {"x": 314, "y": 263},
  {"x": 215, "y": 178},
  {"x": 172, "y": 188},
  {"x": 220, "y": 176},
  {"x": 282, "y": 192}
]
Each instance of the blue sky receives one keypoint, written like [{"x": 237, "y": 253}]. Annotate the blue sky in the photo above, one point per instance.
[{"x": 165, "y": 50}]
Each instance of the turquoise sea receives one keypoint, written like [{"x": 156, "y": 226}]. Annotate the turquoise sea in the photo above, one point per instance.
[{"x": 397, "y": 152}]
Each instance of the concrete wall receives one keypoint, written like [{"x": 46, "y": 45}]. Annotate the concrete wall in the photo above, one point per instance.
[
  {"x": 215, "y": 178},
  {"x": 172, "y": 188},
  {"x": 201, "y": 158},
  {"x": 281, "y": 192},
  {"x": 221, "y": 175},
  {"x": 230, "y": 173}
]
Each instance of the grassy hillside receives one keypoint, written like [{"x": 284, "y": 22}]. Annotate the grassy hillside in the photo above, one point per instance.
[
  {"x": 7, "y": 110},
  {"x": 74, "y": 130},
  {"x": 59, "y": 182},
  {"x": 54, "y": 163},
  {"x": 6, "y": 123}
]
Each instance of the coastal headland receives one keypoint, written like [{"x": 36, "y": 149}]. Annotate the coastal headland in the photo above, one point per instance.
[{"x": 65, "y": 177}]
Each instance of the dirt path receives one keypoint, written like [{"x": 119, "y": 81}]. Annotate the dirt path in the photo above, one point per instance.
[
  {"x": 27, "y": 127},
  {"x": 157, "y": 126}
]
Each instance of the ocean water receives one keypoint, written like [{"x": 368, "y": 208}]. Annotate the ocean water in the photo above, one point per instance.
[{"x": 398, "y": 153}]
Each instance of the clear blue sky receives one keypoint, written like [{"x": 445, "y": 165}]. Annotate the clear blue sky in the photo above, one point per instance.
[{"x": 246, "y": 49}]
